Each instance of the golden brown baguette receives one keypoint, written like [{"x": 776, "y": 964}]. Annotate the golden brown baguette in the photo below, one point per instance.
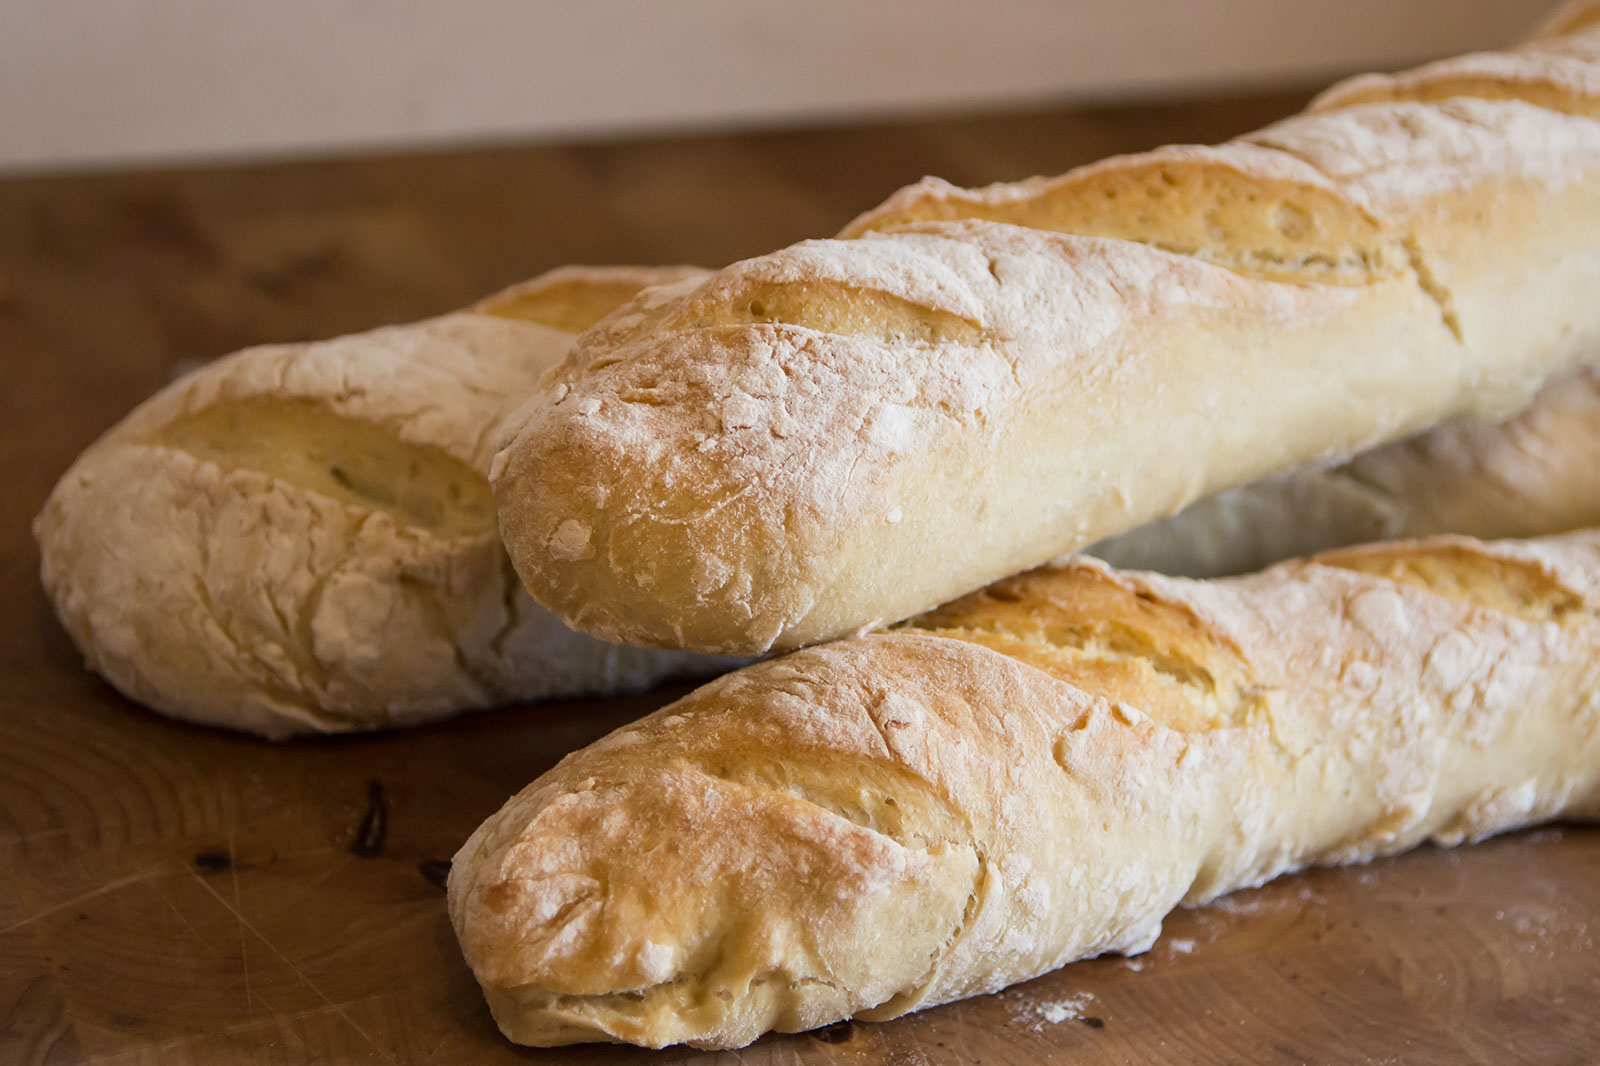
[
  {"x": 845, "y": 432},
  {"x": 300, "y": 538},
  {"x": 1534, "y": 474},
  {"x": 1032, "y": 775},
  {"x": 265, "y": 649}
]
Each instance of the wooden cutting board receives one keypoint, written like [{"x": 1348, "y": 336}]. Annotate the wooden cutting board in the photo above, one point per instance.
[{"x": 170, "y": 894}]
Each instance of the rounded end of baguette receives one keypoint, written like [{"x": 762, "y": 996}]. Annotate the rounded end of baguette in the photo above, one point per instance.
[
  {"x": 645, "y": 526},
  {"x": 300, "y": 538},
  {"x": 227, "y": 597},
  {"x": 750, "y": 464},
  {"x": 711, "y": 873},
  {"x": 649, "y": 582}
]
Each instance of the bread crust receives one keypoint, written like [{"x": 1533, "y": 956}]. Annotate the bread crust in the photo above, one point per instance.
[
  {"x": 299, "y": 538},
  {"x": 842, "y": 433},
  {"x": 1534, "y": 474},
  {"x": 1035, "y": 774}
]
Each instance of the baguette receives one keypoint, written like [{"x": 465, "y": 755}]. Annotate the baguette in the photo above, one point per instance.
[
  {"x": 300, "y": 538},
  {"x": 189, "y": 623},
  {"x": 1034, "y": 774},
  {"x": 968, "y": 383},
  {"x": 1535, "y": 474}
]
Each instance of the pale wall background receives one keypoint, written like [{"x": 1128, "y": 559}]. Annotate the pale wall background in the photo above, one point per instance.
[{"x": 97, "y": 82}]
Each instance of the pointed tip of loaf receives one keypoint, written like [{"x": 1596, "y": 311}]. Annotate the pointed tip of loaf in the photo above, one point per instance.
[{"x": 712, "y": 872}]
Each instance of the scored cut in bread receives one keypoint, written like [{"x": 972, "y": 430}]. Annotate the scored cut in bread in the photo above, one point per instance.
[
  {"x": 300, "y": 538},
  {"x": 970, "y": 382},
  {"x": 1034, "y": 774}
]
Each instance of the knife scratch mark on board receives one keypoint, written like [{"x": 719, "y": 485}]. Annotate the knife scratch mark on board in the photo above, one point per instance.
[
  {"x": 337, "y": 1008},
  {"x": 244, "y": 954},
  {"x": 147, "y": 874}
]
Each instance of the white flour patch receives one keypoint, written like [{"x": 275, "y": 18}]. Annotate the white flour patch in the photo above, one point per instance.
[
  {"x": 1233, "y": 905},
  {"x": 1036, "y": 1015}
]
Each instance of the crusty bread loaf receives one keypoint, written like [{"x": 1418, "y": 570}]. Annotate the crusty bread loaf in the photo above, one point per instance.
[
  {"x": 340, "y": 628},
  {"x": 845, "y": 432},
  {"x": 1534, "y": 474},
  {"x": 1034, "y": 774},
  {"x": 300, "y": 538}
]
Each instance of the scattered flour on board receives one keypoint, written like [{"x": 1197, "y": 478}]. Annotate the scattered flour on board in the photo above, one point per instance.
[
  {"x": 1235, "y": 905},
  {"x": 1036, "y": 1015}
]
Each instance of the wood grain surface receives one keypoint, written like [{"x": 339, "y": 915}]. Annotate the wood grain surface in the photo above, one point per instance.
[{"x": 170, "y": 894}]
